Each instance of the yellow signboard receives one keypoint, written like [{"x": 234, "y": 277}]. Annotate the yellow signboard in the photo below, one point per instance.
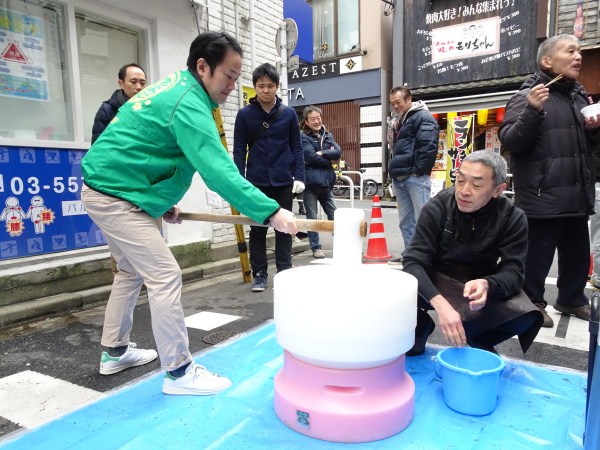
[{"x": 247, "y": 93}]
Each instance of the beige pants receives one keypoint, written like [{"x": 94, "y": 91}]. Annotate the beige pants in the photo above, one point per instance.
[{"x": 142, "y": 257}]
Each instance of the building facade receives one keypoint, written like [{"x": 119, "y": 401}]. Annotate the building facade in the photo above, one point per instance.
[
  {"x": 344, "y": 63},
  {"x": 465, "y": 60},
  {"x": 58, "y": 62}
]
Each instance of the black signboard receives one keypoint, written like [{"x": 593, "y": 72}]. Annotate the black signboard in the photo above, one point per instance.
[{"x": 457, "y": 41}]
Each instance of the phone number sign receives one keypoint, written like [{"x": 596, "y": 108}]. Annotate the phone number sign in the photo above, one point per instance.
[{"x": 40, "y": 202}]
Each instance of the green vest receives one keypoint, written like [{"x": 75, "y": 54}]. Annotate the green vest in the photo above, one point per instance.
[{"x": 159, "y": 139}]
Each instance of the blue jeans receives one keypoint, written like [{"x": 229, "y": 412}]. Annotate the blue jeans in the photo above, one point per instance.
[
  {"x": 324, "y": 196},
  {"x": 411, "y": 194}
]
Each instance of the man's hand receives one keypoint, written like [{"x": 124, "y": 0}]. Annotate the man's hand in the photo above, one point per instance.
[
  {"x": 284, "y": 221},
  {"x": 476, "y": 291},
  {"x": 537, "y": 97},
  {"x": 449, "y": 321},
  {"x": 591, "y": 123},
  {"x": 298, "y": 187},
  {"x": 172, "y": 215}
]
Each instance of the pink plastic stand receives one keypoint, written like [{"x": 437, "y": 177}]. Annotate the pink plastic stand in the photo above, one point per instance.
[{"x": 344, "y": 405}]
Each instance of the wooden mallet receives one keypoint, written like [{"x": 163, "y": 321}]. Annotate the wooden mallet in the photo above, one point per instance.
[{"x": 302, "y": 224}]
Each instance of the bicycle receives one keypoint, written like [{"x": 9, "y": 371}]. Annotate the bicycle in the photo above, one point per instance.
[{"x": 341, "y": 186}]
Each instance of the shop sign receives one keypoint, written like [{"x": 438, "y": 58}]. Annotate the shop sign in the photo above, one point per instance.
[
  {"x": 450, "y": 42},
  {"x": 314, "y": 71},
  {"x": 481, "y": 37},
  {"x": 40, "y": 202}
]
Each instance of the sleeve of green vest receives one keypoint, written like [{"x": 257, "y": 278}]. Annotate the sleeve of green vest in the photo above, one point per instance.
[{"x": 195, "y": 131}]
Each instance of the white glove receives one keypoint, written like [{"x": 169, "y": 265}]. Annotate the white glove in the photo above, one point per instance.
[{"x": 298, "y": 187}]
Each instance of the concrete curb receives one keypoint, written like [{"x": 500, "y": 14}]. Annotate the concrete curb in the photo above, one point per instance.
[{"x": 39, "y": 309}]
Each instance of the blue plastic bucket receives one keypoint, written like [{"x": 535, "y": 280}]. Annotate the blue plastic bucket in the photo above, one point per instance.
[{"x": 470, "y": 379}]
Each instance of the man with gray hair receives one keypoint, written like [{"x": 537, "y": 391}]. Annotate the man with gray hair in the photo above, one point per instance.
[
  {"x": 468, "y": 255},
  {"x": 551, "y": 145}
]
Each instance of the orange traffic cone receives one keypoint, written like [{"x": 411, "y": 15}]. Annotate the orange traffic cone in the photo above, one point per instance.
[{"x": 376, "y": 246}]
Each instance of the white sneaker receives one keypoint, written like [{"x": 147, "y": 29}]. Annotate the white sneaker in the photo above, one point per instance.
[
  {"x": 196, "y": 381},
  {"x": 132, "y": 357}
]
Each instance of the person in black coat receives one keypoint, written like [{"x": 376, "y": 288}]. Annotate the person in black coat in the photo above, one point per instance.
[
  {"x": 468, "y": 255},
  {"x": 320, "y": 149},
  {"x": 415, "y": 136},
  {"x": 272, "y": 160},
  {"x": 132, "y": 79},
  {"x": 551, "y": 145}
]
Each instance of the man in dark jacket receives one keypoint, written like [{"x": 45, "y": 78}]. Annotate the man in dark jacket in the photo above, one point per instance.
[
  {"x": 132, "y": 79},
  {"x": 551, "y": 145},
  {"x": 415, "y": 143},
  {"x": 320, "y": 149},
  {"x": 468, "y": 255},
  {"x": 270, "y": 159}
]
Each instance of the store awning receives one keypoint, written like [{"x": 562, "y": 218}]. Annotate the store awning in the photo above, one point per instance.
[{"x": 469, "y": 102}]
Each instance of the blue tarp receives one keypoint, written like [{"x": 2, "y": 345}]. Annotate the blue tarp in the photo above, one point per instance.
[{"x": 538, "y": 407}]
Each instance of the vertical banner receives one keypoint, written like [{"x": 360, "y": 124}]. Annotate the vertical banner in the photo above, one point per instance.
[
  {"x": 459, "y": 144},
  {"x": 22, "y": 56}
]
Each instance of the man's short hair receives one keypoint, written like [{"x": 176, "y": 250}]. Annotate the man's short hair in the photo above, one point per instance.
[
  {"x": 403, "y": 90},
  {"x": 490, "y": 159},
  {"x": 311, "y": 109},
  {"x": 265, "y": 70},
  {"x": 123, "y": 70},
  {"x": 213, "y": 47},
  {"x": 548, "y": 47}
]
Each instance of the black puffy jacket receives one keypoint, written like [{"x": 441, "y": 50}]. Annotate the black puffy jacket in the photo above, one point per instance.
[
  {"x": 107, "y": 112},
  {"x": 415, "y": 143},
  {"x": 551, "y": 152},
  {"x": 318, "y": 170}
]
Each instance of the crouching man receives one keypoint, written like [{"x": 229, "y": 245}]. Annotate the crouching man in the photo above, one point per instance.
[{"x": 468, "y": 255}]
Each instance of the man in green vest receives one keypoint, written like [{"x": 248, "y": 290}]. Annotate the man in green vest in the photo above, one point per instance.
[{"x": 135, "y": 172}]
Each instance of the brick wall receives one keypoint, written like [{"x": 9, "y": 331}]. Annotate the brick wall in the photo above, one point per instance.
[{"x": 221, "y": 16}]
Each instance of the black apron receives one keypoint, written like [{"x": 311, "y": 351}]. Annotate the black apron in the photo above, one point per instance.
[{"x": 450, "y": 281}]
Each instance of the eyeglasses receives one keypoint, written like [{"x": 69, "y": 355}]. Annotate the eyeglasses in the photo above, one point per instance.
[{"x": 314, "y": 119}]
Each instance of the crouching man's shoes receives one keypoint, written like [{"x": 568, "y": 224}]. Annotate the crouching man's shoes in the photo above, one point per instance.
[
  {"x": 425, "y": 326},
  {"x": 548, "y": 322}
]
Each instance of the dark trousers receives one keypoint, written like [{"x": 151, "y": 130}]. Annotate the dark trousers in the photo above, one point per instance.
[
  {"x": 283, "y": 241},
  {"x": 490, "y": 338},
  {"x": 504, "y": 332},
  {"x": 570, "y": 237}
]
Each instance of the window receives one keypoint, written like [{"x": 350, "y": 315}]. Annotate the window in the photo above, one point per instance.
[
  {"x": 103, "y": 49},
  {"x": 335, "y": 28},
  {"x": 34, "y": 81},
  {"x": 38, "y": 94}
]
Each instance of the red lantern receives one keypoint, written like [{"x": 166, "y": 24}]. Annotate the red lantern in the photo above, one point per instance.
[{"x": 500, "y": 114}]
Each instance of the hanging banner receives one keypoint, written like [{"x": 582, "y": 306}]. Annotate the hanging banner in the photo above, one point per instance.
[
  {"x": 22, "y": 56},
  {"x": 492, "y": 142},
  {"x": 459, "y": 144}
]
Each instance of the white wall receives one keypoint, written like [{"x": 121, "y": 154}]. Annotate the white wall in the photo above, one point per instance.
[{"x": 172, "y": 28}]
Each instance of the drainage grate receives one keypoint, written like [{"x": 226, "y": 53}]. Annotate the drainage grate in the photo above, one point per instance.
[{"x": 218, "y": 336}]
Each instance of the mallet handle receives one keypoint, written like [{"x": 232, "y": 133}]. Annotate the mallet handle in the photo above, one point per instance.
[{"x": 302, "y": 224}]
